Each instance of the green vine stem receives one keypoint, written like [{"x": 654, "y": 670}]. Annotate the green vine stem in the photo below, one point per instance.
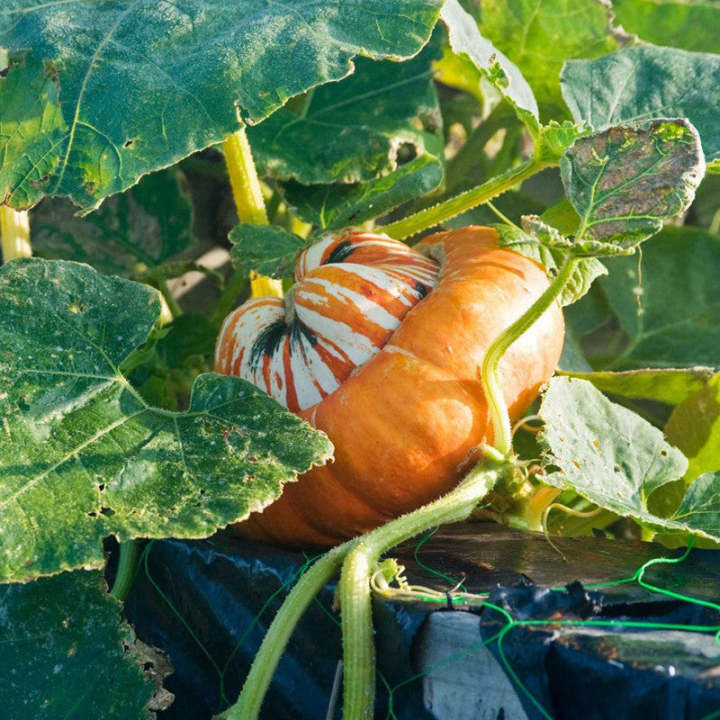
[
  {"x": 172, "y": 303},
  {"x": 502, "y": 434},
  {"x": 355, "y": 593},
  {"x": 14, "y": 233},
  {"x": 268, "y": 656},
  {"x": 244, "y": 179},
  {"x": 413, "y": 224},
  {"x": 358, "y": 557},
  {"x": 129, "y": 552},
  {"x": 235, "y": 285}
]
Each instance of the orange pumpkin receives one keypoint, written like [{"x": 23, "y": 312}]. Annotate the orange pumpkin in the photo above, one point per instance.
[{"x": 380, "y": 345}]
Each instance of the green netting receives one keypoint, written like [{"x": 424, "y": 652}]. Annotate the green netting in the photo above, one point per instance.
[{"x": 459, "y": 597}]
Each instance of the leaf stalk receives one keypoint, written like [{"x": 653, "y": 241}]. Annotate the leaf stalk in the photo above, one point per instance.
[
  {"x": 127, "y": 562},
  {"x": 429, "y": 217},
  {"x": 14, "y": 233}
]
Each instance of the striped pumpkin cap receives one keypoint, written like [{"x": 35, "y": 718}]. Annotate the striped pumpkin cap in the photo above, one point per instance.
[{"x": 351, "y": 293}]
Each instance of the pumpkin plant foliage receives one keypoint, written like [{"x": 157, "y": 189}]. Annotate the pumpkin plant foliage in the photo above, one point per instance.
[
  {"x": 583, "y": 145},
  {"x": 83, "y": 456}
]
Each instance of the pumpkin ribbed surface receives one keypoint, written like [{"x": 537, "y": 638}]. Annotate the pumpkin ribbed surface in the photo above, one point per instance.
[
  {"x": 351, "y": 293},
  {"x": 406, "y": 422}
]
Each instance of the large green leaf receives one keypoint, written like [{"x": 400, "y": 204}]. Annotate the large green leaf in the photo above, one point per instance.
[
  {"x": 467, "y": 42},
  {"x": 82, "y": 455},
  {"x": 352, "y": 131},
  {"x": 143, "y": 84},
  {"x": 615, "y": 459},
  {"x": 129, "y": 234},
  {"x": 626, "y": 180},
  {"x": 68, "y": 654},
  {"x": 694, "y": 427},
  {"x": 538, "y": 35},
  {"x": 337, "y": 206},
  {"x": 687, "y": 24},
  {"x": 669, "y": 313},
  {"x": 638, "y": 83}
]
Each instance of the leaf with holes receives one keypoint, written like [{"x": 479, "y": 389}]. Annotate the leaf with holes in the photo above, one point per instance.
[
  {"x": 608, "y": 454},
  {"x": 68, "y": 653},
  {"x": 626, "y": 180},
  {"x": 356, "y": 128},
  {"x": 83, "y": 456},
  {"x": 141, "y": 85},
  {"x": 639, "y": 83}
]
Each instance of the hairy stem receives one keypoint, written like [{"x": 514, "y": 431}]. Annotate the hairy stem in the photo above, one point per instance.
[
  {"x": 467, "y": 200},
  {"x": 502, "y": 435},
  {"x": 125, "y": 575},
  {"x": 355, "y": 593},
  {"x": 268, "y": 656},
  {"x": 14, "y": 233},
  {"x": 244, "y": 179},
  {"x": 247, "y": 192}
]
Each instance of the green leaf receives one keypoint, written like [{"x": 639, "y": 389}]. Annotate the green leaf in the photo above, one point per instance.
[
  {"x": 687, "y": 24},
  {"x": 31, "y": 130},
  {"x": 669, "y": 313},
  {"x": 694, "y": 427},
  {"x": 352, "y": 131},
  {"x": 538, "y": 35},
  {"x": 604, "y": 452},
  {"x": 671, "y": 386},
  {"x": 82, "y": 455},
  {"x": 68, "y": 653},
  {"x": 563, "y": 217},
  {"x": 129, "y": 234},
  {"x": 700, "y": 508},
  {"x": 492, "y": 64},
  {"x": 626, "y": 180},
  {"x": 587, "y": 270},
  {"x": 638, "y": 83},
  {"x": 142, "y": 85},
  {"x": 336, "y": 206},
  {"x": 572, "y": 360},
  {"x": 267, "y": 249}
]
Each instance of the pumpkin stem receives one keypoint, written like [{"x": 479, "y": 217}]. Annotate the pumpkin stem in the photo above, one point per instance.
[
  {"x": 355, "y": 590},
  {"x": 497, "y": 407},
  {"x": 273, "y": 646},
  {"x": 429, "y": 217},
  {"x": 359, "y": 558},
  {"x": 14, "y": 233}
]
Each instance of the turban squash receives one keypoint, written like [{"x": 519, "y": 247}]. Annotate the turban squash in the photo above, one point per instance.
[{"x": 380, "y": 345}]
